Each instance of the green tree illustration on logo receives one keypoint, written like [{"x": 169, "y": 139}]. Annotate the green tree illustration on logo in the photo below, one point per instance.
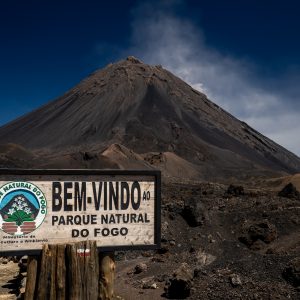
[{"x": 19, "y": 212}]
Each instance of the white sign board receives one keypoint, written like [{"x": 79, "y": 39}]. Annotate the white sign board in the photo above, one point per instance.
[{"x": 118, "y": 209}]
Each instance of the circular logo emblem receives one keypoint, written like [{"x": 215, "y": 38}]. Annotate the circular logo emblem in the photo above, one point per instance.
[{"x": 23, "y": 208}]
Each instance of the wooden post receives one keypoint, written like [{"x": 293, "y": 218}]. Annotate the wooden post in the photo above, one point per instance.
[
  {"x": 70, "y": 272},
  {"x": 61, "y": 272},
  {"x": 32, "y": 271},
  {"x": 46, "y": 287},
  {"x": 83, "y": 267},
  {"x": 107, "y": 276}
]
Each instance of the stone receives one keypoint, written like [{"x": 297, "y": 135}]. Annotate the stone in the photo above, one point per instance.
[
  {"x": 194, "y": 212},
  {"x": 172, "y": 242},
  {"x": 289, "y": 191},
  {"x": 198, "y": 272},
  {"x": 139, "y": 268},
  {"x": 154, "y": 286},
  {"x": 148, "y": 283},
  {"x": 235, "y": 190},
  {"x": 211, "y": 239},
  {"x": 204, "y": 259},
  {"x": 235, "y": 280},
  {"x": 292, "y": 272},
  {"x": 259, "y": 232},
  {"x": 180, "y": 284},
  {"x": 161, "y": 277},
  {"x": 163, "y": 249}
]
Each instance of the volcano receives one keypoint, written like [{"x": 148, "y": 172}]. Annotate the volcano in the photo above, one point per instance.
[
  {"x": 134, "y": 112},
  {"x": 227, "y": 230}
]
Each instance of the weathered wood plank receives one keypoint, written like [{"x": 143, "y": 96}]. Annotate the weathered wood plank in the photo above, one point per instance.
[
  {"x": 32, "y": 268},
  {"x": 72, "y": 271},
  {"x": 91, "y": 271},
  {"x": 74, "y": 291},
  {"x": 82, "y": 270},
  {"x": 46, "y": 284},
  {"x": 61, "y": 273}
]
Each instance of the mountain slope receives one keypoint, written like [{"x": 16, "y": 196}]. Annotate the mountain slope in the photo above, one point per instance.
[{"x": 147, "y": 108}]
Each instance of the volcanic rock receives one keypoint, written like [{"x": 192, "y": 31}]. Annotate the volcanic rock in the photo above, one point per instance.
[
  {"x": 292, "y": 272},
  {"x": 204, "y": 259},
  {"x": 289, "y": 191},
  {"x": 235, "y": 280},
  {"x": 179, "y": 286},
  {"x": 259, "y": 233},
  {"x": 235, "y": 190},
  {"x": 194, "y": 211},
  {"x": 139, "y": 268}
]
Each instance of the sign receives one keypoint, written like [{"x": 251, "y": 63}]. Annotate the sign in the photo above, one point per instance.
[{"x": 118, "y": 209}]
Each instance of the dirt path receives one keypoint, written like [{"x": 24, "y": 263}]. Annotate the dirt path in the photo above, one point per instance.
[{"x": 129, "y": 286}]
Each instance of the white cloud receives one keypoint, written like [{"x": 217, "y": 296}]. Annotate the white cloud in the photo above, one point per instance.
[{"x": 162, "y": 38}]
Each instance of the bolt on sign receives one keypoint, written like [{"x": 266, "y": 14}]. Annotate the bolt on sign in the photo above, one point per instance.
[{"x": 118, "y": 209}]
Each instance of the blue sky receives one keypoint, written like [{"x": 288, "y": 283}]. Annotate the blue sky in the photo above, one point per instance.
[{"x": 245, "y": 55}]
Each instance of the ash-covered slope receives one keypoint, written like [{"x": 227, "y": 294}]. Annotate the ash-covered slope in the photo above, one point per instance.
[{"x": 147, "y": 108}]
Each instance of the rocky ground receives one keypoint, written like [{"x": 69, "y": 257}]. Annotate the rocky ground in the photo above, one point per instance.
[{"x": 218, "y": 242}]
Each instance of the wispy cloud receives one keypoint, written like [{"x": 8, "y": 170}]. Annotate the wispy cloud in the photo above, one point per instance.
[{"x": 161, "y": 37}]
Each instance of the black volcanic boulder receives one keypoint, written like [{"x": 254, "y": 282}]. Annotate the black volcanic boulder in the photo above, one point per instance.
[
  {"x": 179, "y": 285},
  {"x": 290, "y": 191},
  {"x": 258, "y": 234},
  {"x": 194, "y": 211},
  {"x": 292, "y": 272},
  {"x": 235, "y": 190}
]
